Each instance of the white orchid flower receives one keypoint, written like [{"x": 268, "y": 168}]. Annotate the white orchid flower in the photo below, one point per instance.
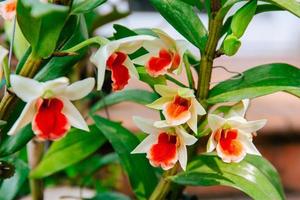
[
  {"x": 114, "y": 56},
  {"x": 165, "y": 55},
  {"x": 49, "y": 105},
  {"x": 164, "y": 146},
  {"x": 8, "y": 9},
  {"x": 179, "y": 106},
  {"x": 232, "y": 134}
]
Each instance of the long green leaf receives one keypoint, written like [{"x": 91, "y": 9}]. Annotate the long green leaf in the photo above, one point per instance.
[
  {"x": 254, "y": 176},
  {"x": 258, "y": 81},
  {"x": 140, "y": 173},
  {"x": 184, "y": 19},
  {"x": 83, "y": 6},
  {"x": 76, "y": 146},
  {"x": 36, "y": 19},
  {"x": 290, "y": 5},
  {"x": 133, "y": 95},
  {"x": 10, "y": 187}
]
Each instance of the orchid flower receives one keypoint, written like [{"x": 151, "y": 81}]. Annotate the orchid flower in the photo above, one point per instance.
[
  {"x": 114, "y": 56},
  {"x": 165, "y": 55},
  {"x": 8, "y": 9},
  {"x": 164, "y": 146},
  {"x": 48, "y": 105},
  {"x": 179, "y": 106},
  {"x": 232, "y": 134}
]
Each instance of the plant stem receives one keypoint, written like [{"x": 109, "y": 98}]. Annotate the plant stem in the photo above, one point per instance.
[
  {"x": 164, "y": 185},
  {"x": 94, "y": 40},
  {"x": 170, "y": 78},
  {"x": 188, "y": 71},
  {"x": 35, "y": 151}
]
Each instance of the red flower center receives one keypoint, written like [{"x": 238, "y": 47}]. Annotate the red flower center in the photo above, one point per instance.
[
  {"x": 11, "y": 7},
  {"x": 164, "y": 153},
  {"x": 228, "y": 141},
  {"x": 119, "y": 72},
  {"x": 166, "y": 60},
  {"x": 50, "y": 123},
  {"x": 178, "y": 107}
]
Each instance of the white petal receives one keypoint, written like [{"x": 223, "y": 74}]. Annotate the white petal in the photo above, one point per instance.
[
  {"x": 162, "y": 124},
  {"x": 142, "y": 60},
  {"x": 146, "y": 144},
  {"x": 215, "y": 121},
  {"x": 159, "y": 103},
  {"x": 25, "y": 88},
  {"x": 248, "y": 145},
  {"x": 131, "y": 44},
  {"x": 146, "y": 125},
  {"x": 199, "y": 108},
  {"x": 25, "y": 117},
  {"x": 187, "y": 138},
  {"x": 79, "y": 89},
  {"x": 56, "y": 86},
  {"x": 73, "y": 115},
  {"x": 211, "y": 144},
  {"x": 193, "y": 120},
  {"x": 131, "y": 68},
  {"x": 167, "y": 40},
  {"x": 239, "y": 109},
  {"x": 165, "y": 91},
  {"x": 185, "y": 92},
  {"x": 248, "y": 126},
  {"x": 100, "y": 58},
  {"x": 154, "y": 46},
  {"x": 182, "y": 156}
]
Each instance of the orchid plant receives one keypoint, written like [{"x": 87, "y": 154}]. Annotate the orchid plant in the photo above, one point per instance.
[{"x": 44, "y": 136}]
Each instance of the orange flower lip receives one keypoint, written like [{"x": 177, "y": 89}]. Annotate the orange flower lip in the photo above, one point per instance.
[
  {"x": 178, "y": 108},
  {"x": 230, "y": 145},
  {"x": 120, "y": 73},
  {"x": 49, "y": 123},
  {"x": 164, "y": 153}
]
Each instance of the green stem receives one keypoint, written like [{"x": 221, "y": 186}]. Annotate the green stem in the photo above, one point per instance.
[
  {"x": 170, "y": 78},
  {"x": 6, "y": 71},
  {"x": 9, "y": 100},
  {"x": 35, "y": 151},
  {"x": 188, "y": 71},
  {"x": 94, "y": 40},
  {"x": 164, "y": 185}
]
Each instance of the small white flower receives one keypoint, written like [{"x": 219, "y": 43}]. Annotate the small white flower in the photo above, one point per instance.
[
  {"x": 164, "y": 146},
  {"x": 114, "y": 56},
  {"x": 178, "y": 105},
  {"x": 48, "y": 105},
  {"x": 8, "y": 9},
  {"x": 232, "y": 134}
]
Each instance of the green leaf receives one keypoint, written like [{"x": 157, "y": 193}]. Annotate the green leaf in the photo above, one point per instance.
[
  {"x": 41, "y": 24},
  {"x": 289, "y": 5},
  {"x": 84, "y": 6},
  {"x": 184, "y": 19},
  {"x": 231, "y": 45},
  {"x": 110, "y": 196},
  {"x": 16, "y": 142},
  {"x": 140, "y": 173},
  {"x": 151, "y": 81},
  {"x": 258, "y": 81},
  {"x": 242, "y": 18},
  {"x": 254, "y": 176},
  {"x": 133, "y": 95},
  {"x": 10, "y": 187},
  {"x": 76, "y": 146}
]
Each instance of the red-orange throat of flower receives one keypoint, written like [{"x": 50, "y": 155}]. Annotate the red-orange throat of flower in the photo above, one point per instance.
[
  {"x": 166, "y": 61},
  {"x": 228, "y": 140},
  {"x": 178, "y": 108},
  {"x": 11, "y": 6},
  {"x": 119, "y": 72},
  {"x": 164, "y": 153},
  {"x": 49, "y": 123}
]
